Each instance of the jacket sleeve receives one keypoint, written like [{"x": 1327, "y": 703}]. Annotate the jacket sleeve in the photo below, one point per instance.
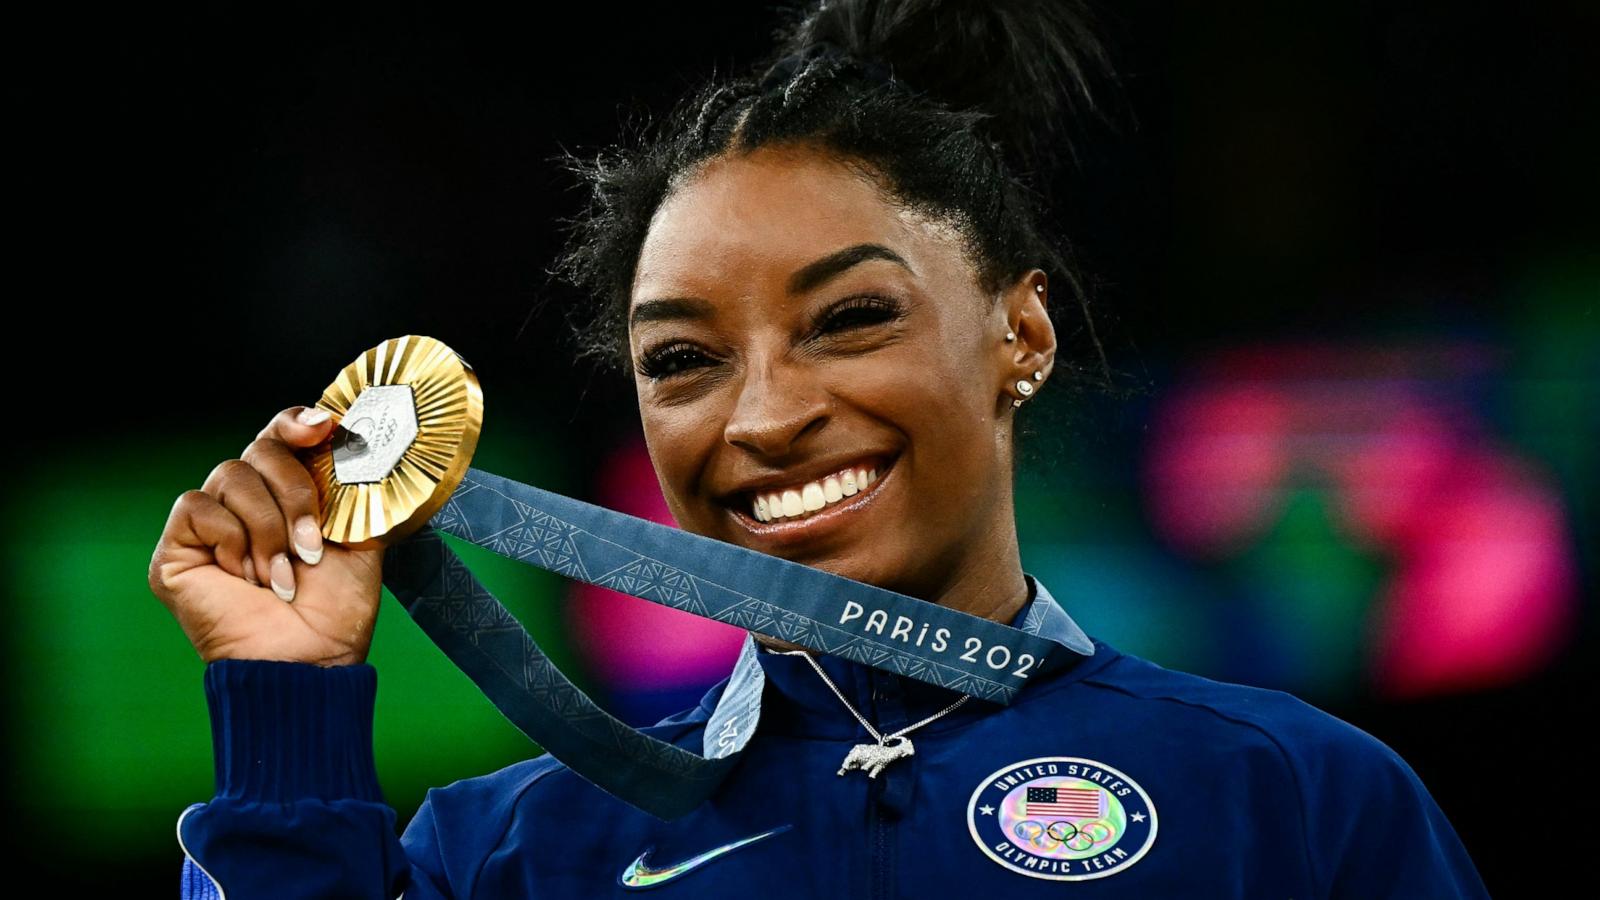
[
  {"x": 1374, "y": 830},
  {"x": 298, "y": 811}
]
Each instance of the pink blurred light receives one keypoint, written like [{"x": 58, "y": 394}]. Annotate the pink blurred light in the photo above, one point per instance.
[
  {"x": 631, "y": 643},
  {"x": 1394, "y": 472},
  {"x": 1484, "y": 588},
  {"x": 1216, "y": 454}
]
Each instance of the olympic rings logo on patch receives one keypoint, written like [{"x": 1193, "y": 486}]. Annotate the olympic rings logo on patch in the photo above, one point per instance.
[
  {"x": 1063, "y": 818},
  {"x": 1060, "y": 833}
]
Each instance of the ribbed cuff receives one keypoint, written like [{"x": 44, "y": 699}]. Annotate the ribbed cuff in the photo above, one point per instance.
[{"x": 284, "y": 731}]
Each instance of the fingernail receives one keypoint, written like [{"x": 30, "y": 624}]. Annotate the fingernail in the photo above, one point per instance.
[
  {"x": 311, "y": 415},
  {"x": 250, "y": 571},
  {"x": 282, "y": 577},
  {"x": 308, "y": 540}
]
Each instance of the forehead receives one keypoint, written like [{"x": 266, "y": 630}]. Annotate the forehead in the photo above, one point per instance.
[{"x": 770, "y": 212}]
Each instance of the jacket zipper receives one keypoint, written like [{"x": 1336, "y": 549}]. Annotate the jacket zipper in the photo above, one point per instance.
[{"x": 878, "y": 833}]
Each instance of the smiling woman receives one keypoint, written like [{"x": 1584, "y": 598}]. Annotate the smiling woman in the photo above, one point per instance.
[
  {"x": 874, "y": 303},
  {"x": 825, "y": 341},
  {"x": 832, "y": 282}
]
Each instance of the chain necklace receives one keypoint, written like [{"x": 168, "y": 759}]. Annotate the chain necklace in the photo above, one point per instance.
[{"x": 872, "y": 758}]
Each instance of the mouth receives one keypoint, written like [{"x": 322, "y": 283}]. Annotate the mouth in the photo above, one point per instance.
[{"x": 834, "y": 500}]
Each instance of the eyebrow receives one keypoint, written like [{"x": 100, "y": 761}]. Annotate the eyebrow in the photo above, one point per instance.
[{"x": 808, "y": 278}]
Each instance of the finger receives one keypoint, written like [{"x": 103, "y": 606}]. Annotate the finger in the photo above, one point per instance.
[
  {"x": 240, "y": 488},
  {"x": 290, "y": 482},
  {"x": 291, "y": 427},
  {"x": 202, "y": 526},
  {"x": 212, "y": 525}
]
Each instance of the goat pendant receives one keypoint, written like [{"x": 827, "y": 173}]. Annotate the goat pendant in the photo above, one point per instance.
[{"x": 872, "y": 758}]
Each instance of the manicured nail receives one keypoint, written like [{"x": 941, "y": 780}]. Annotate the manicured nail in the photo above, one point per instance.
[
  {"x": 311, "y": 415},
  {"x": 250, "y": 571},
  {"x": 282, "y": 577},
  {"x": 308, "y": 540}
]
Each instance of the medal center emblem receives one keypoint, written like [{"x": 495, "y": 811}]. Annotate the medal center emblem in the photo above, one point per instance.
[{"x": 374, "y": 434}]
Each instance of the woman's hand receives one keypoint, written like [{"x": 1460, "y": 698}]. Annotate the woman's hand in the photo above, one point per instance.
[{"x": 228, "y": 555}]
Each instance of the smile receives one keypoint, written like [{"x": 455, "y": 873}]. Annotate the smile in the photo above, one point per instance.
[{"x": 806, "y": 507}]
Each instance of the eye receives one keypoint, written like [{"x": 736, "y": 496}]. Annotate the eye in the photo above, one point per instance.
[
  {"x": 858, "y": 312},
  {"x": 673, "y": 359}
]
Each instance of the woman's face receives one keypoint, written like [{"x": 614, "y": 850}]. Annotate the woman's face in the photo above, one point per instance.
[{"x": 797, "y": 328}]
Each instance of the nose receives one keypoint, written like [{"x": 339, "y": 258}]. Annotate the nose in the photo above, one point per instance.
[{"x": 776, "y": 407}]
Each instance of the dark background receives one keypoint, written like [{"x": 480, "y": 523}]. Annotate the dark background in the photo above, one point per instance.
[{"x": 214, "y": 208}]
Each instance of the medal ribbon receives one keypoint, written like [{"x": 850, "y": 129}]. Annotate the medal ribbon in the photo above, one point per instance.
[{"x": 703, "y": 576}]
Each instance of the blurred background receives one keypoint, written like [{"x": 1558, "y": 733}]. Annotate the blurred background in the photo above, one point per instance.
[{"x": 1351, "y": 248}]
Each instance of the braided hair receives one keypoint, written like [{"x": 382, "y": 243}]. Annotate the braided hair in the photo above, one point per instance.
[{"x": 960, "y": 110}]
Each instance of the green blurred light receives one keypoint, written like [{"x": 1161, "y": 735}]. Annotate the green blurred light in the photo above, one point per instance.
[
  {"x": 109, "y": 692},
  {"x": 1551, "y": 401},
  {"x": 1313, "y": 589}
]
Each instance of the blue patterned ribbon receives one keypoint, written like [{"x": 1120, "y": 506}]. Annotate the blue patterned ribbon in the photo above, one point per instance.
[{"x": 700, "y": 575}]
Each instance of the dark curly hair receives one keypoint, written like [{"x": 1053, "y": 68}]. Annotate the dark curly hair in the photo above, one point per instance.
[{"x": 960, "y": 110}]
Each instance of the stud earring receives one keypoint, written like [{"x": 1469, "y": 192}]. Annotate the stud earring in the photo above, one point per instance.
[
  {"x": 1039, "y": 288},
  {"x": 1025, "y": 388},
  {"x": 1010, "y": 336}
]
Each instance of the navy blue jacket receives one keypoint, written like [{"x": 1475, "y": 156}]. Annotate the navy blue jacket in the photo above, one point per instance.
[{"x": 1113, "y": 774}]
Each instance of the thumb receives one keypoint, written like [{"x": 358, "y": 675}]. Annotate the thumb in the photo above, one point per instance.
[{"x": 305, "y": 426}]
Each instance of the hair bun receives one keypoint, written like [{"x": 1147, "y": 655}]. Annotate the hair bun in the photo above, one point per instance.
[
  {"x": 1031, "y": 67},
  {"x": 782, "y": 70}
]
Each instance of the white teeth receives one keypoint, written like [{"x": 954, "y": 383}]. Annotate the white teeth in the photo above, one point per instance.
[{"x": 813, "y": 495}]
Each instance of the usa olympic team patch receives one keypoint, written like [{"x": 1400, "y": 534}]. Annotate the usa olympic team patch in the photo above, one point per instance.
[{"x": 1064, "y": 818}]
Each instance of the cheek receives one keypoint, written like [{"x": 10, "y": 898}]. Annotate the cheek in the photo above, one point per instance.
[
  {"x": 942, "y": 410},
  {"x": 677, "y": 442}
]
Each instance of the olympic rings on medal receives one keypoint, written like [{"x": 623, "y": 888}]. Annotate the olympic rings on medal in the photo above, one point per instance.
[{"x": 1061, "y": 832}]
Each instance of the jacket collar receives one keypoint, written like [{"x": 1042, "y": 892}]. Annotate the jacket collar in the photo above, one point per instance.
[{"x": 787, "y": 696}]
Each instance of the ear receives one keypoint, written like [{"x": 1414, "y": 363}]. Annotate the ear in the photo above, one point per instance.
[{"x": 1033, "y": 350}]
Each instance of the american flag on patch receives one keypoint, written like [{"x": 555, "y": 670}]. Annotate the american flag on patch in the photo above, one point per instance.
[{"x": 1074, "y": 802}]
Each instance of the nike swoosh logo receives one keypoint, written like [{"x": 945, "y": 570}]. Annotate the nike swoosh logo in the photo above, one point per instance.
[{"x": 640, "y": 874}]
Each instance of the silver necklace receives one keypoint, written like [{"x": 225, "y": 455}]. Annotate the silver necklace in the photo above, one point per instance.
[{"x": 872, "y": 758}]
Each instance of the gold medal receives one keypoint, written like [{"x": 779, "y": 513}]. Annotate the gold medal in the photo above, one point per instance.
[{"x": 407, "y": 415}]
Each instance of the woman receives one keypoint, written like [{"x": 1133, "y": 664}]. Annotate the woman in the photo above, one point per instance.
[{"x": 832, "y": 282}]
